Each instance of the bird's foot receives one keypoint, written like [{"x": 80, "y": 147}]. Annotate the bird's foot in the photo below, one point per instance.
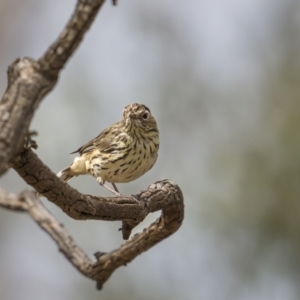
[
  {"x": 111, "y": 190},
  {"x": 115, "y": 191}
]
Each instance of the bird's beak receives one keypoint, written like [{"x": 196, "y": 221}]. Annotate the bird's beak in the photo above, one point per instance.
[{"x": 132, "y": 116}]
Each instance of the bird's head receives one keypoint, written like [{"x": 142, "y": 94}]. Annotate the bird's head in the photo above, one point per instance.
[{"x": 139, "y": 115}]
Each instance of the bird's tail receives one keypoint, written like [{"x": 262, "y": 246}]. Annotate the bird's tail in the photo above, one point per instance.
[
  {"x": 78, "y": 167},
  {"x": 66, "y": 174}
]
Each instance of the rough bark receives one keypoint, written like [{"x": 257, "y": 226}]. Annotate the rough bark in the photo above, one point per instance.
[{"x": 28, "y": 82}]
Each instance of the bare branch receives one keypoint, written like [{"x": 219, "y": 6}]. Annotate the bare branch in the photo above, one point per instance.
[
  {"x": 29, "y": 81},
  {"x": 131, "y": 210},
  {"x": 11, "y": 201},
  {"x": 61, "y": 50},
  {"x": 162, "y": 195},
  {"x": 26, "y": 87},
  {"x": 65, "y": 243}
]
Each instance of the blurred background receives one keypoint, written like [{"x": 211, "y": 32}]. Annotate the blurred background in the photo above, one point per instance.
[{"x": 222, "y": 79}]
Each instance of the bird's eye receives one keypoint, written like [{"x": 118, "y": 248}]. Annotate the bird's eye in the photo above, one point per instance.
[{"x": 145, "y": 116}]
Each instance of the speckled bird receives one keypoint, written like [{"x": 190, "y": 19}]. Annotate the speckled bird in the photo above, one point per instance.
[{"x": 122, "y": 152}]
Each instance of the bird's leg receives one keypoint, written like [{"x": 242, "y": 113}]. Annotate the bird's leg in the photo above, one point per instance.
[
  {"x": 115, "y": 191},
  {"x": 111, "y": 190},
  {"x": 115, "y": 187}
]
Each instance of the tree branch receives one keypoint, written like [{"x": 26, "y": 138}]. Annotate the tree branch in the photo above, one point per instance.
[
  {"x": 130, "y": 209},
  {"x": 29, "y": 81},
  {"x": 162, "y": 195},
  {"x": 11, "y": 201},
  {"x": 61, "y": 50},
  {"x": 29, "y": 202}
]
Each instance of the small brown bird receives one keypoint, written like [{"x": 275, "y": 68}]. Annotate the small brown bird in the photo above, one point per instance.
[{"x": 122, "y": 152}]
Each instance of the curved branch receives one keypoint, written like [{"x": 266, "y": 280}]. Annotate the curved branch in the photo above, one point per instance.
[
  {"x": 30, "y": 203},
  {"x": 61, "y": 50},
  {"x": 29, "y": 81},
  {"x": 162, "y": 195},
  {"x": 130, "y": 209}
]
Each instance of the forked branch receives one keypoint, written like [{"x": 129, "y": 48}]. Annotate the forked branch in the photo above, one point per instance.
[
  {"x": 162, "y": 195},
  {"x": 28, "y": 82}
]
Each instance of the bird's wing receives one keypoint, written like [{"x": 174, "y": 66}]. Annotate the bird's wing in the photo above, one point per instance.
[
  {"x": 106, "y": 141},
  {"x": 88, "y": 147},
  {"x": 102, "y": 142}
]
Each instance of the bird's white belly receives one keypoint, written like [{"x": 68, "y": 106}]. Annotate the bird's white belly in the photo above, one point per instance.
[{"x": 120, "y": 170}]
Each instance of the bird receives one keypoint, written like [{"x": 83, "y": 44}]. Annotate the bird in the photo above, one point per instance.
[{"x": 121, "y": 153}]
